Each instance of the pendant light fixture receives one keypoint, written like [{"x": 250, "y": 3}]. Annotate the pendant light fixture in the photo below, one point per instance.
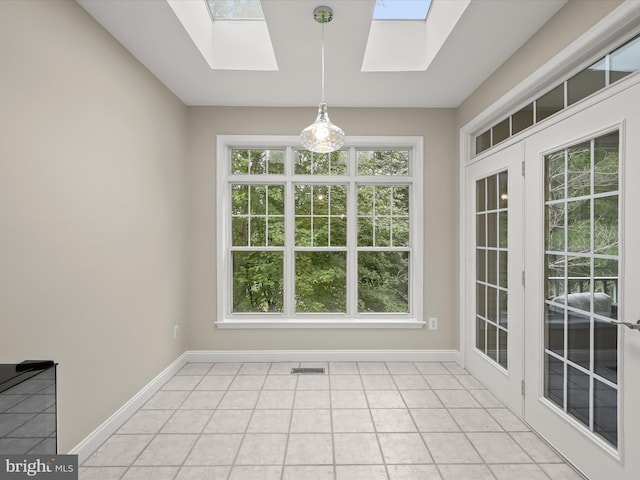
[{"x": 322, "y": 136}]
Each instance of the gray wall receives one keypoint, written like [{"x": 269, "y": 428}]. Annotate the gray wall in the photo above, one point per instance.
[
  {"x": 440, "y": 226},
  {"x": 92, "y": 150}
]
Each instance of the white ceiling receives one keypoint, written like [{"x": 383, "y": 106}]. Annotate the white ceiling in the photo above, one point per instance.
[{"x": 488, "y": 33}]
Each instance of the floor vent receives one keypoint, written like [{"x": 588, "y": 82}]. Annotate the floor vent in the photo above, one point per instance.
[{"x": 307, "y": 371}]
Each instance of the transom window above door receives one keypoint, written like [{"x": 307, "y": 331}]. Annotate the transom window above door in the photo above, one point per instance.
[{"x": 308, "y": 239}]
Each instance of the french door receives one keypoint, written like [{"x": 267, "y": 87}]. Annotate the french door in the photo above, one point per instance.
[
  {"x": 493, "y": 308},
  {"x": 582, "y": 264}
]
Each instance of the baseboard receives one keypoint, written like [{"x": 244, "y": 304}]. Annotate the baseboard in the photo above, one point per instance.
[
  {"x": 111, "y": 425},
  {"x": 322, "y": 355}
]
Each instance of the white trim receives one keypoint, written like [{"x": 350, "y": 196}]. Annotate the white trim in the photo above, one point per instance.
[
  {"x": 354, "y": 319},
  {"x": 111, "y": 425},
  {"x": 232, "y": 323},
  {"x": 408, "y": 355},
  {"x": 95, "y": 439}
]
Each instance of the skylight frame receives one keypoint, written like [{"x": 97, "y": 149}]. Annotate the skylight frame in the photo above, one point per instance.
[
  {"x": 238, "y": 4},
  {"x": 401, "y": 10}
]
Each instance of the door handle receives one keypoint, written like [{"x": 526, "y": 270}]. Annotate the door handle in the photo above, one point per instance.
[{"x": 632, "y": 326}]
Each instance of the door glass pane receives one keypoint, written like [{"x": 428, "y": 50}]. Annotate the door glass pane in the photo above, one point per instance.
[
  {"x": 581, "y": 284},
  {"x": 554, "y": 380},
  {"x": 492, "y": 203},
  {"x": 605, "y": 411}
]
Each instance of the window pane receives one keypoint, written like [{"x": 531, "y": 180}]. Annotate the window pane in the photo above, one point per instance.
[
  {"x": 605, "y": 412},
  {"x": 492, "y": 304},
  {"x": 605, "y": 275},
  {"x": 586, "y": 82},
  {"x": 578, "y": 394},
  {"x": 550, "y": 103},
  {"x": 555, "y": 276},
  {"x": 240, "y": 231},
  {"x": 239, "y": 199},
  {"x": 321, "y": 282},
  {"x": 578, "y": 332},
  {"x": 257, "y": 162},
  {"x": 481, "y": 196},
  {"x": 503, "y": 191},
  {"x": 579, "y": 170},
  {"x": 606, "y": 163},
  {"x": 310, "y": 163},
  {"x": 483, "y": 141},
  {"x": 501, "y": 131},
  {"x": 257, "y": 281},
  {"x": 578, "y": 274},
  {"x": 365, "y": 231},
  {"x": 579, "y": 226},
  {"x": 383, "y": 211},
  {"x": 257, "y": 213},
  {"x": 383, "y": 282},
  {"x": 502, "y": 348},
  {"x": 481, "y": 265},
  {"x": 625, "y": 60},
  {"x": 481, "y": 300},
  {"x": 554, "y": 218},
  {"x": 317, "y": 209},
  {"x": 554, "y": 380},
  {"x": 554, "y": 329},
  {"x": 522, "y": 119},
  {"x": 481, "y": 333},
  {"x": 555, "y": 175},
  {"x": 388, "y": 162},
  {"x": 605, "y": 344},
  {"x": 605, "y": 225},
  {"x": 492, "y": 342}
]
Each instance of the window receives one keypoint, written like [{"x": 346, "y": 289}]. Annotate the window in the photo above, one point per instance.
[
  {"x": 623, "y": 61},
  {"x": 307, "y": 239}
]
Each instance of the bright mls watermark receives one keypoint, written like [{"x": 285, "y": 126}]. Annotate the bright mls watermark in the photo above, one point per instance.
[{"x": 50, "y": 467}]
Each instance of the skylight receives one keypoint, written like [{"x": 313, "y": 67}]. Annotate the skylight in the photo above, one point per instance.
[
  {"x": 400, "y": 9},
  {"x": 236, "y": 9}
]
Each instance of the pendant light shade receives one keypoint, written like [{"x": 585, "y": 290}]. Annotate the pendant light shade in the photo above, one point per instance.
[{"x": 322, "y": 136}]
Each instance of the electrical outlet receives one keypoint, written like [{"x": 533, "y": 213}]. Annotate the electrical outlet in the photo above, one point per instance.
[
  {"x": 433, "y": 323},
  {"x": 176, "y": 331}
]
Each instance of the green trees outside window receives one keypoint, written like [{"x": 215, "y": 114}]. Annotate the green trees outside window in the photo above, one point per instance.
[{"x": 315, "y": 227}]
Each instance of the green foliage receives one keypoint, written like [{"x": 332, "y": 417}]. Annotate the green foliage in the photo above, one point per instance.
[
  {"x": 258, "y": 281},
  {"x": 321, "y": 282},
  {"x": 320, "y": 220},
  {"x": 383, "y": 282}
]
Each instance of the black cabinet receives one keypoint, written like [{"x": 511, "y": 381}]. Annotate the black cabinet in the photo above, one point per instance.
[{"x": 28, "y": 408}]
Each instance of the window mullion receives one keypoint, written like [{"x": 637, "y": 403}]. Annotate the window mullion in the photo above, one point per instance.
[
  {"x": 289, "y": 238},
  {"x": 352, "y": 237}
]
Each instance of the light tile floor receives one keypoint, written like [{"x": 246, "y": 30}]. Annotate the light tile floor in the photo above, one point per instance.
[{"x": 359, "y": 421}]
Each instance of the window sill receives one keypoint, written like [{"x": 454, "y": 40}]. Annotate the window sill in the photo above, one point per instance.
[{"x": 239, "y": 324}]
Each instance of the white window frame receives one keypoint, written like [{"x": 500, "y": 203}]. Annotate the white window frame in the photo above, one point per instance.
[{"x": 412, "y": 319}]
